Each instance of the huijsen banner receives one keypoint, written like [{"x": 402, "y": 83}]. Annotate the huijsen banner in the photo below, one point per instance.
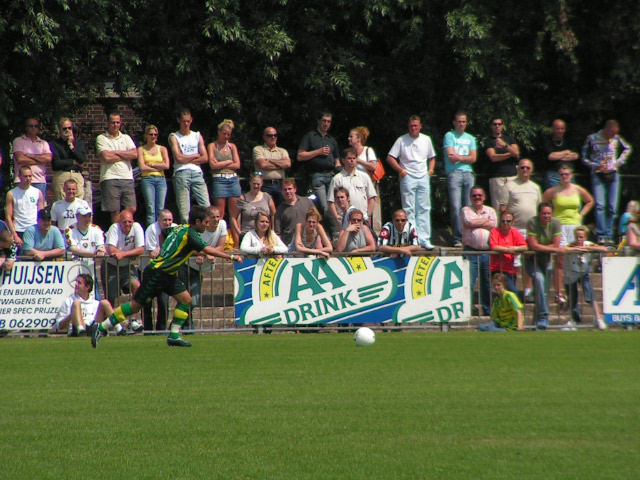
[
  {"x": 32, "y": 292},
  {"x": 311, "y": 291},
  {"x": 621, "y": 289}
]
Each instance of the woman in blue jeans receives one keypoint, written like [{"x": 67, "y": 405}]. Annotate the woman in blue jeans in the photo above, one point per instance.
[{"x": 153, "y": 160}]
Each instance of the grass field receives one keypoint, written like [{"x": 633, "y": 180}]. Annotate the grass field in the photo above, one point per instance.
[{"x": 413, "y": 406}]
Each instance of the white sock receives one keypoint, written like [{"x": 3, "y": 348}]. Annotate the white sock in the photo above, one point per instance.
[{"x": 527, "y": 291}]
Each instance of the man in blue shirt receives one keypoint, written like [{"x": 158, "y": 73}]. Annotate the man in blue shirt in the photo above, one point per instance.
[{"x": 41, "y": 241}]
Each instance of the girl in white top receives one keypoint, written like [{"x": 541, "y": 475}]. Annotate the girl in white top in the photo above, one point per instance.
[
  {"x": 262, "y": 240},
  {"x": 367, "y": 160},
  {"x": 311, "y": 238}
]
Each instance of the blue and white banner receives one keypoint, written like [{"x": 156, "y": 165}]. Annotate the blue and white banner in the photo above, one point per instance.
[
  {"x": 311, "y": 291},
  {"x": 32, "y": 292},
  {"x": 621, "y": 289}
]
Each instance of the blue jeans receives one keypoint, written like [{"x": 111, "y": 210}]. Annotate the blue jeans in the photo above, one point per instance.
[
  {"x": 43, "y": 188},
  {"x": 320, "y": 183},
  {"x": 480, "y": 266},
  {"x": 606, "y": 197},
  {"x": 539, "y": 275},
  {"x": 572, "y": 291},
  {"x": 415, "y": 194},
  {"x": 459, "y": 183},
  {"x": 186, "y": 182},
  {"x": 154, "y": 192},
  {"x": 491, "y": 327}
]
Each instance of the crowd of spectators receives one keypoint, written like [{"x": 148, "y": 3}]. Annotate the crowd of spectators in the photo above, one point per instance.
[{"x": 343, "y": 215}]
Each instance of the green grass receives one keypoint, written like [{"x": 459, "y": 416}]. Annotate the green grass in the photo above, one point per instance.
[{"x": 415, "y": 405}]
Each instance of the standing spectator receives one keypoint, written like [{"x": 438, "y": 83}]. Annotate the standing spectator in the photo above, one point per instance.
[
  {"x": 22, "y": 205},
  {"x": 523, "y": 198},
  {"x": 30, "y": 150},
  {"x": 63, "y": 212},
  {"x": 398, "y": 238},
  {"x": 503, "y": 153},
  {"x": 68, "y": 156},
  {"x": 506, "y": 310},
  {"x": 367, "y": 163},
  {"x": 570, "y": 205},
  {"x": 84, "y": 239},
  {"x": 153, "y": 160},
  {"x": 310, "y": 237},
  {"x": 245, "y": 211},
  {"x": 543, "y": 236},
  {"x": 362, "y": 193},
  {"x": 509, "y": 242},
  {"x": 558, "y": 152},
  {"x": 477, "y": 222},
  {"x": 320, "y": 151},
  {"x": 356, "y": 238},
  {"x": 41, "y": 241},
  {"x": 605, "y": 152},
  {"x": 271, "y": 161},
  {"x": 578, "y": 270},
  {"x": 414, "y": 158},
  {"x": 152, "y": 245},
  {"x": 290, "y": 212},
  {"x": 189, "y": 153},
  {"x": 125, "y": 243},
  {"x": 460, "y": 154},
  {"x": 262, "y": 240},
  {"x": 116, "y": 151},
  {"x": 224, "y": 161}
]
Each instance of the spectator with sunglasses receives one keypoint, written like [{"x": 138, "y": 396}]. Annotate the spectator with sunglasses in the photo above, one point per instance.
[
  {"x": 509, "y": 242},
  {"x": 68, "y": 156},
  {"x": 503, "y": 153},
  {"x": 30, "y": 150},
  {"x": 271, "y": 161}
]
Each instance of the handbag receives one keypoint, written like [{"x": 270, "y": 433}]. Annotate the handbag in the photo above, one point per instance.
[{"x": 379, "y": 173}]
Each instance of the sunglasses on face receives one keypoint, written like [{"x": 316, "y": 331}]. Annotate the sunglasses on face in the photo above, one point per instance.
[
  {"x": 271, "y": 135},
  {"x": 504, "y": 220}
]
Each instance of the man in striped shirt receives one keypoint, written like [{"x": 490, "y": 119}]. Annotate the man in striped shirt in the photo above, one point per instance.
[
  {"x": 160, "y": 276},
  {"x": 398, "y": 237}
]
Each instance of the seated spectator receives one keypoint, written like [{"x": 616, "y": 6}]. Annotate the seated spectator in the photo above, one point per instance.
[
  {"x": 153, "y": 160},
  {"x": 243, "y": 214},
  {"x": 8, "y": 250},
  {"x": 398, "y": 238},
  {"x": 84, "y": 239},
  {"x": 362, "y": 193},
  {"x": 125, "y": 243},
  {"x": 578, "y": 270},
  {"x": 310, "y": 237},
  {"x": 22, "y": 205},
  {"x": 290, "y": 212},
  {"x": 41, "y": 241},
  {"x": 356, "y": 238},
  {"x": 81, "y": 310},
  {"x": 262, "y": 240},
  {"x": 190, "y": 273},
  {"x": 343, "y": 209},
  {"x": 152, "y": 245},
  {"x": 506, "y": 310},
  {"x": 629, "y": 216},
  {"x": 509, "y": 242},
  {"x": 63, "y": 212},
  {"x": 68, "y": 156}
]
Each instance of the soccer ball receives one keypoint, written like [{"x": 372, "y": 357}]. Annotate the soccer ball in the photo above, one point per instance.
[{"x": 364, "y": 337}]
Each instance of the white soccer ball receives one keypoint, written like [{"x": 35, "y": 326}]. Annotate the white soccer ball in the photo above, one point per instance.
[{"x": 364, "y": 337}]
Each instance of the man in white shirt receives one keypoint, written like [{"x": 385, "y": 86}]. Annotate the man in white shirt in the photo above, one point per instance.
[
  {"x": 84, "y": 239},
  {"x": 125, "y": 243},
  {"x": 80, "y": 311},
  {"x": 22, "y": 205},
  {"x": 63, "y": 212},
  {"x": 414, "y": 158}
]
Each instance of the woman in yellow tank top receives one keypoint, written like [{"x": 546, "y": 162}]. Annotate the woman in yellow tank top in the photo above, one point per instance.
[
  {"x": 153, "y": 160},
  {"x": 570, "y": 204}
]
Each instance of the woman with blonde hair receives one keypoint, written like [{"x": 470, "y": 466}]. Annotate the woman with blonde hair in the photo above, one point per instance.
[
  {"x": 242, "y": 215},
  {"x": 262, "y": 240},
  {"x": 310, "y": 237},
  {"x": 153, "y": 160},
  {"x": 224, "y": 162}
]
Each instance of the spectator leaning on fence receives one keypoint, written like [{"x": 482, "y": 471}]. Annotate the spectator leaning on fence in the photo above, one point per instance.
[
  {"x": 356, "y": 237},
  {"x": 310, "y": 237},
  {"x": 41, "y": 242},
  {"x": 509, "y": 242},
  {"x": 398, "y": 238},
  {"x": 262, "y": 240},
  {"x": 8, "y": 250}
]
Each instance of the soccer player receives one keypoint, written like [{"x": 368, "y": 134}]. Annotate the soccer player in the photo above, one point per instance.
[{"x": 160, "y": 276}]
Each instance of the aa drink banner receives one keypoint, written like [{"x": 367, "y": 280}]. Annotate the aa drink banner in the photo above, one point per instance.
[
  {"x": 32, "y": 292},
  {"x": 311, "y": 291},
  {"x": 621, "y": 289}
]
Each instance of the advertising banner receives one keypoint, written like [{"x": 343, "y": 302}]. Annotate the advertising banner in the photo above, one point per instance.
[
  {"x": 32, "y": 292},
  {"x": 621, "y": 289},
  {"x": 312, "y": 291}
]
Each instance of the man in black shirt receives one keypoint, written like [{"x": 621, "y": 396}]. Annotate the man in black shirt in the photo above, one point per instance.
[
  {"x": 69, "y": 154},
  {"x": 503, "y": 152}
]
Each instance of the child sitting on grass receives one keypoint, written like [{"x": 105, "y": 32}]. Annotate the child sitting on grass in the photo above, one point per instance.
[{"x": 506, "y": 310}]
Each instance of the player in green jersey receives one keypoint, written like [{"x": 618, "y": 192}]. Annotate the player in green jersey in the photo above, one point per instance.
[{"x": 161, "y": 276}]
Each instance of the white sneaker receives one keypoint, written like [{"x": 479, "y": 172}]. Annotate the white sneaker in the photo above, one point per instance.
[
  {"x": 569, "y": 326},
  {"x": 136, "y": 326},
  {"x": 599, "y": 322},
  {"x": 427, "y": 245}
]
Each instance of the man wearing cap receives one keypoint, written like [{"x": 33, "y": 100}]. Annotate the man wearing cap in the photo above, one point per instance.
[
  {"x": 41, "y": 241},
  {"x": 271, "y": 161},
  {"x": 84, "y": 239},
  {"x": 63, "y": 212}
]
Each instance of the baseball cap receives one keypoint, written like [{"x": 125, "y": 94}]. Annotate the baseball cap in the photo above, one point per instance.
[{"x": 83, "y": 210}]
